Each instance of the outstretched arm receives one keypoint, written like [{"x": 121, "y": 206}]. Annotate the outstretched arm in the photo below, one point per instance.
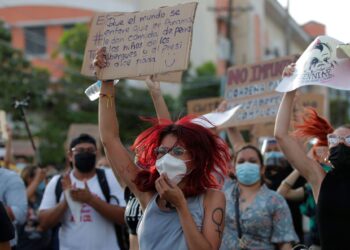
[
  {"x": 294, "y": 153},
  {"x": 109, "y": 132},
  {"x": 157, "y": 98}
]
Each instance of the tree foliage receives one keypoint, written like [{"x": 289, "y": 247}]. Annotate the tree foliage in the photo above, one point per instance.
[
  {"x": 203, "y": 84},
  {"x": 18, "y": 77}
]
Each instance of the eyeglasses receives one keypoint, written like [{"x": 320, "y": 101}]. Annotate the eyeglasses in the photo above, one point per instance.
[
  {"x": 334, "y": 140},
  {"x": 175, "y": 151},
  {"x": 83, "y": 150}
]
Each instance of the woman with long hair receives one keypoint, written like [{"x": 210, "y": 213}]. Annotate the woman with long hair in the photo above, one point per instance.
[{"x": 176, "y": 185}]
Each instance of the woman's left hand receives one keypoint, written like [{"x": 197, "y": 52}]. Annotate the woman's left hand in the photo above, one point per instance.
[
  {"x": 153, "y": 86},
  {"x": 170, "y": 191}
]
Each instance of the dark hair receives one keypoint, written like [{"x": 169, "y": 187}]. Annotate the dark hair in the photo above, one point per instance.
[
  {"x": 209, "y": 154},
  {"x": 82, "y": 138},
  {"x": 28, "y": 172},
  {"x": 253, "y": 148}
]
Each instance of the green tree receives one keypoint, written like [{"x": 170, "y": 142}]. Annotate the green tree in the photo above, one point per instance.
[
  {"x": 204, "y": 83},
  {"x": 339, "y": 112},
  {"x": 18, "y": 77}
]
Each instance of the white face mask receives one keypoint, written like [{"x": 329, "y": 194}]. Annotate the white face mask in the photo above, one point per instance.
[{"x": 174, "y": 168}]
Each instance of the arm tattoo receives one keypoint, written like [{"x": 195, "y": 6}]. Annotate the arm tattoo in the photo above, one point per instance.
[{"x": 218, "y": 218}]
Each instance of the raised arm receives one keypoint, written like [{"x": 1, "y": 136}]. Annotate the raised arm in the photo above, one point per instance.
[
  {"x": 235, "y": 137},
  {"x": 295, "y": 154},
  {"x": 157, "y": 98},
  {"x": 286, "y": 188},
  {"x": 109, "y": 132}
]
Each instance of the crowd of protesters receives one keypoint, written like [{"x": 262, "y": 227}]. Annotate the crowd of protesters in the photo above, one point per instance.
[{"x": 182, "y": 187}]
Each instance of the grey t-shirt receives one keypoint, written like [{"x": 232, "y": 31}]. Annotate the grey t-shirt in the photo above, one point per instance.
[{"x": 160, "y": 229}]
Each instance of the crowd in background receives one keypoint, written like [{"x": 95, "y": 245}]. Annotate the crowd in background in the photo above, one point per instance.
[{"x": 166, "y": 194}]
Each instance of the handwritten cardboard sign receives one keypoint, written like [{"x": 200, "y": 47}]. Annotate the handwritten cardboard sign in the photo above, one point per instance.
[
  {"x": 319, "y": 65},
  {"x": 203, "y": 105},
  {"x": 253, "y": 87},
  {"x": 142, "y": 43}
]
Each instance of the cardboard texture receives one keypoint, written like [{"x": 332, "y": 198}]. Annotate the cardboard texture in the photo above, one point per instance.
[
  {"x": 203, "y": 106},
  {"x": 319, "y": 65},
  {"x": 142, "y": 43},
  {"x": 343, "y": 51},
  {"x": 3, "y": 127},
  {"x": 253, "y": 87}
]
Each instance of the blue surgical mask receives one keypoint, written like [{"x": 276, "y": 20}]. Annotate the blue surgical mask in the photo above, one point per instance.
[{"x": 248, "y": 173}]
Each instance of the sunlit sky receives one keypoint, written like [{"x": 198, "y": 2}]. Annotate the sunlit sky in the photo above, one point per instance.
[{"x": 335, "y": 14}]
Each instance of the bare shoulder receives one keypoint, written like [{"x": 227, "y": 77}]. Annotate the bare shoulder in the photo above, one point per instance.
[{"x": 214, "y": 197}]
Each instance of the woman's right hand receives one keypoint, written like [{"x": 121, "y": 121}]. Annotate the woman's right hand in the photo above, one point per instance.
[
  {"x": 289, "y": 70},
  {"x": 100, "y": 60}
]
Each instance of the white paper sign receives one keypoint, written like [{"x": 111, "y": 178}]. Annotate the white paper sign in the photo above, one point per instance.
[
  {"x": 319, "y": 65},
  {"x": 218, "y": 119}
]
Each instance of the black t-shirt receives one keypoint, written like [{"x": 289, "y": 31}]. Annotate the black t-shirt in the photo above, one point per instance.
[
  {"x": 333, "y": 211},
  {"x": 133, "y": 211},
  {"x": 7, "y": 232}
]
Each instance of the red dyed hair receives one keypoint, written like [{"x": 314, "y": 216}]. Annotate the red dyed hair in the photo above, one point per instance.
[
  {"x": 209, "y": 154},
  {"x": 314, "y": 126}
]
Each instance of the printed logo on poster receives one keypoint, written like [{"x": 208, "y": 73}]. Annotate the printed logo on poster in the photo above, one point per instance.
[{"x": 319, "y": 65}]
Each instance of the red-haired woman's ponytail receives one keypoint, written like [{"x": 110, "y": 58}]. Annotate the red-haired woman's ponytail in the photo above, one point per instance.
[{"x": 314, "y": 126}]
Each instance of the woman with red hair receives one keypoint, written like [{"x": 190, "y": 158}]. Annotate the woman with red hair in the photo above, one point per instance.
[
  {"x": 176, "y": 185},
  {"x": 330, "y": 189}
]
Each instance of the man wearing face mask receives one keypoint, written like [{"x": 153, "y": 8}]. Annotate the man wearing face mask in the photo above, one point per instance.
[{"x": 87, "y": 218}]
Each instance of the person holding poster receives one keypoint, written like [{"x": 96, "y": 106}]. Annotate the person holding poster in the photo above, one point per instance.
[
  {"x": 330, "y": 189},
  {"x": 175, "y": 187}
]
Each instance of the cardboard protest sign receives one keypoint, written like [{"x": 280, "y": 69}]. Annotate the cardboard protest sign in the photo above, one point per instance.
[
  {"x": 3, "y": 127},
  {"x": 220, "y": 120},
  {"x": 343, "y": 51},
  {"x": 142, "y": 43},
  {"x": 253, "y": 87},
  {"x": 203, "y": 106},
  {"x": 319, "y": 65}
]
